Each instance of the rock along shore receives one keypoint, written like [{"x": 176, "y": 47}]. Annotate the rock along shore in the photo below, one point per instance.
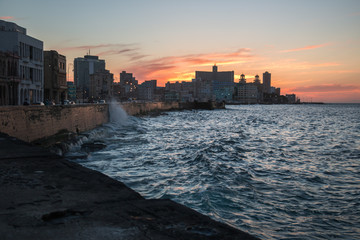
[{"x": 44, "y": 196}]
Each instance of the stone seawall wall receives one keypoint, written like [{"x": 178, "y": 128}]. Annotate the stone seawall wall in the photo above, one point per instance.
[
  {"x": 30, "y": 123},
  {"x": 144, "y": 108}
]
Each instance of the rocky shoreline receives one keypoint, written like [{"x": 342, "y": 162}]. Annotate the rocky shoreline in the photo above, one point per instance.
[{"x": 45, "y": 196}]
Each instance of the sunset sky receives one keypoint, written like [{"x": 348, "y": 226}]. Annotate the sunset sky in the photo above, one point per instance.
[{"x": 311, "y": 47}]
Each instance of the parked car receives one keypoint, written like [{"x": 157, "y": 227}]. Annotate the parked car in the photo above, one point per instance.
[{"x": 102, "y": 101}]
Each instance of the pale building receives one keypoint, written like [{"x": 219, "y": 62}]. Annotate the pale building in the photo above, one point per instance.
[{"x": 29, "y": 67}]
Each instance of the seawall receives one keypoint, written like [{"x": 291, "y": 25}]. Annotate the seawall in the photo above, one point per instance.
[
  {"x": 133, "y": 108},
  {"x": 30, "y": 123}
]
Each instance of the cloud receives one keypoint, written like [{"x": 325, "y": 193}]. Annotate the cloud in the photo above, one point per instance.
[
  {"x": 7, "y": 18},
  {"x": 327, "y": 88},
  {"x": 117, "y": 51},
  {"x": 180, "y": 67},
  {"x": 293, "y": 64},
  {"x": 98, "y": 46},
  {"x": 306, "y": 48}
]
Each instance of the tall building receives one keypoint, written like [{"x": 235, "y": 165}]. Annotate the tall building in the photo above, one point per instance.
[
  {"x": 55, "y": 86},
  {"x": 24, "y": 78},
  {"x": 222, "y": 83},
  {"x": 267, "y": 82},
  {"x": 83, "y": 68}
]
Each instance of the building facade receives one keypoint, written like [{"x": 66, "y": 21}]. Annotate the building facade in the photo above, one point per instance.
[
  {"x": 9, "y": 78},
  {"x": 83, "y": 68},
  {"x": 55, "y": 86},
  {"x": 128, "y": 86},
  {"x": 29, "y": 66},
  {"x": 222, "y": 83},
  {"x": 101, "y": 85},
  {"x": 71, "y": 91},
  {"x": 147, "y": 90},
  {"x": 183, "y": 92}
]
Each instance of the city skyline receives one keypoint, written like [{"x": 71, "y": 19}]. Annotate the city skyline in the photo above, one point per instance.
[{"x": 311, "y": 48}]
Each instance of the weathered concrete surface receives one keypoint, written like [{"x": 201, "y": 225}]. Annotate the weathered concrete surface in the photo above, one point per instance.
[
  {"x": 44, "y": 196},
  {"x": 30, "y": 123}
]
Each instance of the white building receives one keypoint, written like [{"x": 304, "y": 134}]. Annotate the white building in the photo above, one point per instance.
[{"x": 13, "y": 39}]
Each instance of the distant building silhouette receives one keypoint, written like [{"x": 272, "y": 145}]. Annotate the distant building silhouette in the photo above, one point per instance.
[
  {"x": 291, "y": 98},
  {"x": 246, "y": 93},
  {"x": 55, "y": 86},
  {"x": 147, "y": 90},
  {"x": 22, "y": 56},
  {"x": 183, "y": 92},
  {"x": 222, "y": 83},
  {"x": 128, "y": 86},
  {"x": 267, "y": 82},
  {"x": 83, "y": 68}
]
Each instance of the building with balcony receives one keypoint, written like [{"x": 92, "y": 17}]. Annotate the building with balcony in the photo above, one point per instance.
[
  {"x": 26, "y": 79},
  {"x": 55, "y": 86},
  {"x": 9, "y": 78}
]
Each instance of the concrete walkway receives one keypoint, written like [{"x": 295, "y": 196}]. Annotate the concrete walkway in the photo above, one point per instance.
[{"x": 44, "y": 196}]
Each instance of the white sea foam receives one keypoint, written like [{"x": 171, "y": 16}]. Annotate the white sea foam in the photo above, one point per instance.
[{"x": 117, "y": 115}]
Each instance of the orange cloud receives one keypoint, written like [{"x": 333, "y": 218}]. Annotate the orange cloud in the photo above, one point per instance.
[
  {"x": 327, "y": 88},
  {"x": 306, "y": 48},
  {"x": 292, "y": 64},
  {"x": 7, "y": 18},
  {"x": 168, "y": 68}
]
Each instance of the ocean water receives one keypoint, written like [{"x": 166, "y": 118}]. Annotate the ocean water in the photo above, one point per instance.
[{"x": 275, "y": 171}]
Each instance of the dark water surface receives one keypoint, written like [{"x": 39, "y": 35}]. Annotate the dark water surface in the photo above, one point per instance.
[{"x": 275, "y": 171}]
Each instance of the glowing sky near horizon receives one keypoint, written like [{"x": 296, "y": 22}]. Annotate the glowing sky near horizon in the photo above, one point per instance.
[{"x": 311, "y": 48}]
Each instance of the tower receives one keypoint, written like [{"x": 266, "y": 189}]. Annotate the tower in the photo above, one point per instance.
[
  {"x": 215, "y": 68},
  {"x": 257, "y": 80},
  {"x": 267, "y": 82},
  {"x": 242, "y": 79}
]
